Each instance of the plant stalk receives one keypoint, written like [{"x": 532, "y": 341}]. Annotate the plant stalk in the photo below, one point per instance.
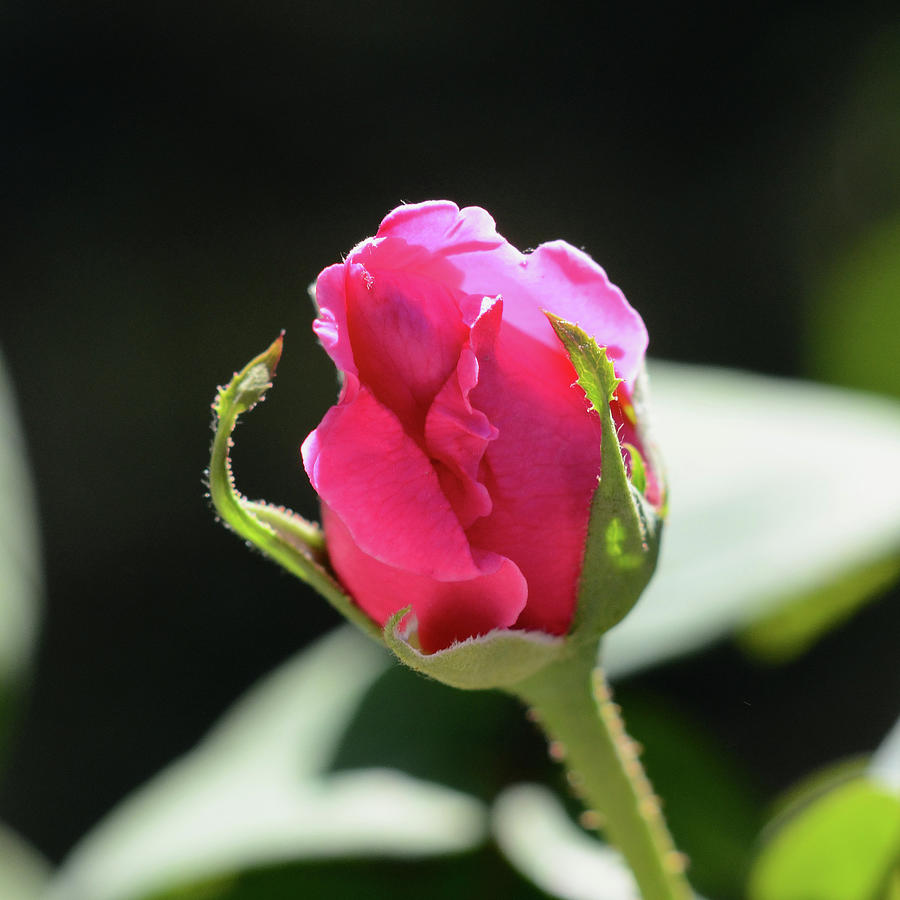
[{"x": 571, "y": 702}]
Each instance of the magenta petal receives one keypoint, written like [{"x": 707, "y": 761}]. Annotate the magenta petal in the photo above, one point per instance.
[
  {"x": 454, "y": 612},
  {"x": 462, "y": 248},
  {"x": 331, "y": 324},
  {"x": 441, "y": 227},
  {"x": 434, "y": 240},
  {"x": 558, "y": 278},
  {"x": 581, "y": 293},
  {"x": 407, "y": 332},
  {"x": 386, "y": 492},
  {"x": 541, "y": 472},
  {"x": 445, "y": 611},
  {"x": 456, "y": 434}
]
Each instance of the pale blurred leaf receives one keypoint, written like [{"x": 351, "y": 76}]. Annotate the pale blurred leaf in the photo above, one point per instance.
[
  {"x": 254, "y": 792},
  {"x": 541, "y": 841},
  {"x": 20, "y": 565},
  {"x": 23, "y": 872},
  {"x": 885, "y": 765},
  {"x": 778, "y": 490}
]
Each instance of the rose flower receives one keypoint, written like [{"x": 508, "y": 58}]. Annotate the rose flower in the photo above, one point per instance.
[{"x": 456, "y": 470}]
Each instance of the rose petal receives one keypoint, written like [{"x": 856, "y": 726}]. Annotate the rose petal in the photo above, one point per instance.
[
  {"x": 407, "y": 333},
  {"x": 331, "y": 324},
  {"x": 441, "y": 228},
  {"x": 445, "y": 611},
  {"x": 541, "y": 472},
  {"x": 456, "y": 434},
  {"x": 381, "y": 484},
  {"x": 463, "y": 249},
  {"x": 563, "y": 280}
]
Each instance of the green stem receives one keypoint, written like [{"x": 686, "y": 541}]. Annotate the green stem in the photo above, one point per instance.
[{"x": 571, "y": 701}]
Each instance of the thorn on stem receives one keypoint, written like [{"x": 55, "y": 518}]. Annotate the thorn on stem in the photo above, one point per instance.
[
  {"x": 557, "y": 751},
  {"x": 591, "y": 820},
  {"x": 677, "y": 862}
]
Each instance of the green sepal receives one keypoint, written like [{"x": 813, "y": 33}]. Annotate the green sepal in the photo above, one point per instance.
[
  {"x": 638, "y": 467},
  {"x": 280, "y": 534},
  {"x": 248, "y": 387},
  {"x": 624, "y": 529},
  {"x": 498, "y": 659}
]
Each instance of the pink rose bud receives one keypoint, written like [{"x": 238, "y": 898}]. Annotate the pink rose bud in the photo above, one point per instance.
[{"x": 457, "y": 470}]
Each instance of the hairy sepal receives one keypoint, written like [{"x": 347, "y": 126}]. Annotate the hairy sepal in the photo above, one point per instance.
[
  {"x": 499, "y": 659},
  {"x": 277, "y": 532},
  {"x": 624, "y": 529}
]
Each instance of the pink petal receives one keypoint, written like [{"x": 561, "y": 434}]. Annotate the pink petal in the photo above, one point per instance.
[
  {"x": 567, "y": 282},
  {"x": 560, "y": 279},
  {"x": 331, "y": 325},
  {"x": 440, "y": 227},
  {"x": 445, "y": 611},
  {"x": 427, "y": 238},
  {"x": 407, "y": 333},
  {"x": 456, "y": 434},
  {"x": 541, "y": 472},
  {"x": 382, "y": 486},
  {"x": 462, "y": 248}
]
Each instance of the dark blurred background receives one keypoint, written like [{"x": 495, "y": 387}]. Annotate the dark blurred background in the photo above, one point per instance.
[{"x": 176, "y": 174}]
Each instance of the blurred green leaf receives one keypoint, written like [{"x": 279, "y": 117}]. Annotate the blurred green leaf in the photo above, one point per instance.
[
  {"x": 787, "y": 632},
  {"x": 23, "y": 872},
  {"x": 779, "y": 490},
  {"x": 20, "y": 566},
  {"x": 853, "y": 330},
  {"x": 837, "y": 835},
  {"x": 842, "y": 846},
  {"x": 815, "y": 785},
  {"x": 254, "y": 793}
]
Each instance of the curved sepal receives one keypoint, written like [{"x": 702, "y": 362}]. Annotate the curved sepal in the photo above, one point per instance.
[
  {"x": 282, "y": 535},
  {"x": 498, "y": 659},
  {"x": 624, "y": 529}
]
